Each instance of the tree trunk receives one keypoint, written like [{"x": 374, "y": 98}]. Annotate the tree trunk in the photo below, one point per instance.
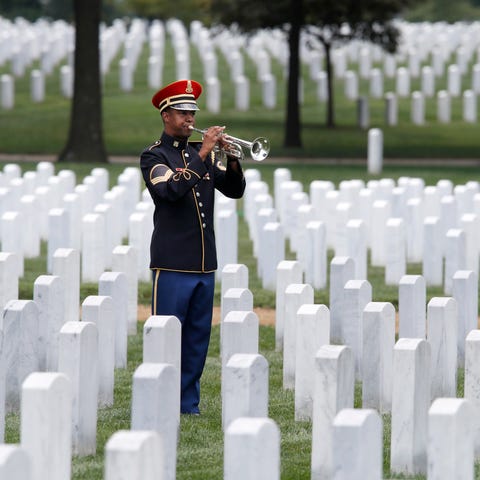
[
  {"x": 330, "y": 109},
  {"x": 85, "y": 139},
  {"x": 292, "y": 124}
]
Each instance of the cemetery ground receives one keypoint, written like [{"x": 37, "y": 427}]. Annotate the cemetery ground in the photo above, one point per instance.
[
  {"x": 431, "y": 151},
  {"x": 200, "y": 450},
  {"x": 130, "y": 123}
]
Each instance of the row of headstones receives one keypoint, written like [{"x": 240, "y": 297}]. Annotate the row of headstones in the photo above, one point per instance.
[
  {"x": 37, "y": 86},
  {"x": 418, "y": 101},
  {"x": 259, "y": 46},
  {"x": 399, "y": 222},
  {"x": 201, "y": 38},
  {"x": 415, "y": 65},
  {"x": 403, "y": 82},
  {"x": 445, "y": 37},
  {"x": 90, "y": 217},
  {"x": 43, "y": 190},
  {"x": 461, "y": 40},
  {"x": 51, "y": 42},
  {"x": 23, "y": 53},
  {"x": 235, "y": 336},
  {"x": 39, "y": 205},
  {"x": 133, "y": 44},
  {"x": 213, "y": 87},
  {"x": 34, "y": 36},
  {"x": 113, "y": 38},
  {"x": 44, "y": 334},
  {"x": 135, "y": 37},
  {"x": 418, "y": 108},
  {"x": 30, "y": 328},
  {"x": 245, "y": 394},
  {"x": 402, "y": 378},
  {"x": 116, "y": 35},
  {"x": 269, "y": 92},
  {"x": 434, "y": 45},
  {"x": 47, "y": 42},
  {"x": 364, "y": 54},
  {"x": 229, "y": 228},
  {"x": 252, "y": 447},
  {"x": 56, "y": 296},
  {"x": 69, "y": 396}
]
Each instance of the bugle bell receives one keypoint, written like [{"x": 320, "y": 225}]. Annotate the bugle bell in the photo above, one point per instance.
[{"x": 258, "y": 148}]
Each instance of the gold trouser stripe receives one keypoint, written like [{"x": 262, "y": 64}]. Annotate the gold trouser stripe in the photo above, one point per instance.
[
  {"x": 184, "y": 271},
  {"x": 154, "y": 299}
]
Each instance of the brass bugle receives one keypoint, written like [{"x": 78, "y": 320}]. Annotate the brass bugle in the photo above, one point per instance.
[{"x": 258, "y": 148}]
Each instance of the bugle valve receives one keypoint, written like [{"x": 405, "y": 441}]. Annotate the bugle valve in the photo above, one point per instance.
[{"x": 258, "y": 148}]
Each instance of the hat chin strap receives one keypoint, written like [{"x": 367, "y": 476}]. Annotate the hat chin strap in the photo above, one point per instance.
[{"x": 177, "y": 100}]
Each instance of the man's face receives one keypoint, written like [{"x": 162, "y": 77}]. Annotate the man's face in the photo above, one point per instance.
[{"x": 176, "y": 122}]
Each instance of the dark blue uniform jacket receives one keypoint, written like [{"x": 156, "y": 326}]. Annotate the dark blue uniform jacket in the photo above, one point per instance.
[{"x": 182, "y": 187}]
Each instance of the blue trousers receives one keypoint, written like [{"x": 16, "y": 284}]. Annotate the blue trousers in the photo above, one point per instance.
[{"x": 188, "y": 296}]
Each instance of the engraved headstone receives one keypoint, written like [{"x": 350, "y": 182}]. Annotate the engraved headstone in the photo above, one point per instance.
[
  {"x": 78, "y": 360},
  {"x": 252, "y": 449},
  {"x": 472, "y": 379},
  {"x": 442, "y": 333},
  {"x": 357, "y": 445},
  {"x": 313, "y": 331},
  {"x": 48, "y": 294},
  {"x": 19, "y": 354},
  {"x": 410, "y": 404},
  {"x": 134, "y": 454},
  {"x": 288, "y": 272},
  {"x": 46, "y": 428},
  {"x": 14, "y": 462},
  {"x": 296, "y": 295},
  {"x": 412, "y": 300},
  {"x": 378, "y": 339},
  {"x": 66, "y": 265},
  {"x": 98, "y": 309},
  {"x": 334, "y": 380},
  {"x": 115, "y": 285},
  {"x": 244, "y": 387},
  {"x": 450, "y": 439},
  {"x": 156, "y": 406}
]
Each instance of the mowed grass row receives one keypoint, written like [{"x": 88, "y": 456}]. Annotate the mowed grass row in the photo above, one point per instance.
[
  {"x": 130, "y": 122},
  {"x": 200, "y": 450}
]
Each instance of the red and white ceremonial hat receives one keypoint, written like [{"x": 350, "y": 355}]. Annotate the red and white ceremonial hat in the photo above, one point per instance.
[{"x": 180, "y": 95}]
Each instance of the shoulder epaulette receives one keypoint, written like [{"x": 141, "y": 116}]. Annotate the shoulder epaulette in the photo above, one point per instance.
[{"x": 156, "y": 144}]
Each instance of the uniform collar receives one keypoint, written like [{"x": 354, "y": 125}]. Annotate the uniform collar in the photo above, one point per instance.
[{"x": 173, "y": 142}]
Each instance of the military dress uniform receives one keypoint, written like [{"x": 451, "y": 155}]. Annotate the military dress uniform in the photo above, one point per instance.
[{"x": 183, "y": 252}]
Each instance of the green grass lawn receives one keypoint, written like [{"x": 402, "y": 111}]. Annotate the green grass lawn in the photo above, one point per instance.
[
  {"x": 131, "y": 123},
  {"x": 200, "y": 450}
]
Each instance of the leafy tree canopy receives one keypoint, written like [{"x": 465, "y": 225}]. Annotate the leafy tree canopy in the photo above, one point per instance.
[
  {"x": 327, "y": 22},
  {"x": 28, "y": 9},
  {"x": 184, "y": 10},
  {"x": 55, "y": 9},
  {"x": 444, "y": 11},
  {"x": 335, "y": 20}
]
